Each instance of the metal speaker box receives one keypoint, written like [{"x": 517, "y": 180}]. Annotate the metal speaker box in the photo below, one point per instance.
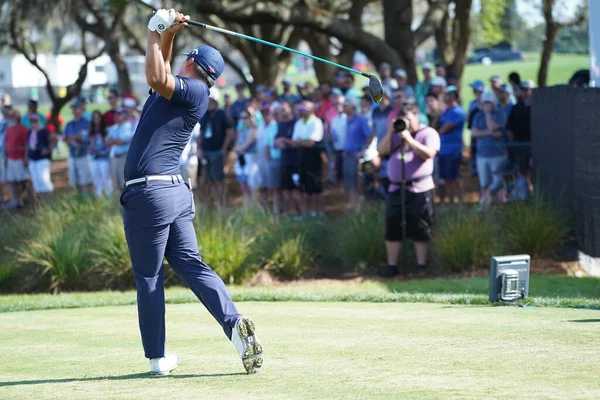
[{"x": 509, "y": 278}]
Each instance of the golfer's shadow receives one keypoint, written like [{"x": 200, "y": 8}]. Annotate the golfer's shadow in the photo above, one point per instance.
[{"x": 144, "y": 375}]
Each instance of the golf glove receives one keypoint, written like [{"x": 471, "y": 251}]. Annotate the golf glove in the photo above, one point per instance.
[{"x": 161, "y": 21}]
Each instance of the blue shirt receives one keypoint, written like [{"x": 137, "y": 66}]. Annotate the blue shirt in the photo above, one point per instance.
[
  {"x": 452, "y": 141},
  {"x": 101, "y": 150},
  {"x": 357, "y": 132},
  {"x": 74, "y": 128},
  {"x": 164, "y": 129},
  {"x": 269, "y": 132},
  {"x": 291, "y": 98},
  {"x": 237, "y": 107},
  {"x": 380, "y": 118},
  {"x": 123, "y": 132},
  {"x": 489, "y": 146},
  {"x": 242, "y": 138}
]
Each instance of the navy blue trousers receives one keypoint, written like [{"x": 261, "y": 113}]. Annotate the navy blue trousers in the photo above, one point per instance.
[{"x": 158, "y": 223}]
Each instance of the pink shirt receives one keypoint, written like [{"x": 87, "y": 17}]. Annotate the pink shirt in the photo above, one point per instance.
[{"x": 415, "y": 166}]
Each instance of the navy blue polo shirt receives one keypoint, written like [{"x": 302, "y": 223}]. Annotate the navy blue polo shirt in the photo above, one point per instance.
[
  {"x": 289, "y": 155},
  {"x": 164, "y": 129}
]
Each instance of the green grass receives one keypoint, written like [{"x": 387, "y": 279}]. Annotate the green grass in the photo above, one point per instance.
[
  {"x": 312, "y": 351},
  {"x": 546, "y": 291}
]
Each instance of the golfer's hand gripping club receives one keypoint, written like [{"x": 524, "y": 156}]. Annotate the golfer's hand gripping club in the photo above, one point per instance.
[{"x": 161, "y": 20}]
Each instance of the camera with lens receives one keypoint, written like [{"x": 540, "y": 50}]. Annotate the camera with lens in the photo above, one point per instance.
[{"x": 400, "y": 125}]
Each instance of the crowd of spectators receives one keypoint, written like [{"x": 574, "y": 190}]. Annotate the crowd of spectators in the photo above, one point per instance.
[{"x": 292, "y": 142}]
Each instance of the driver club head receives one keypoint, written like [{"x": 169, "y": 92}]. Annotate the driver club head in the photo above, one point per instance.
[{"x": 376, "y": 88}]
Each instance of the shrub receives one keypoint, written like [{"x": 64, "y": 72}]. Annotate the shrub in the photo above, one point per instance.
[
  {"x": 59, "y": 252},
  {"x": 228, "y": 249},
  {"x": 464, "y": 240},
  {"x": 110, "y": 254},
  {"x": 359, "y": 238},
  {"x": 534, "y": 227},
  {"x": 291, "y": 258}
]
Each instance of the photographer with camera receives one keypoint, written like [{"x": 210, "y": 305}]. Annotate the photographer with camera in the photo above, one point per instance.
[{"x": 411, "y": 147}]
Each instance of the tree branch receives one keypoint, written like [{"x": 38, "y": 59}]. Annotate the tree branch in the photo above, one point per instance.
[{"x": 431, "y": 21}]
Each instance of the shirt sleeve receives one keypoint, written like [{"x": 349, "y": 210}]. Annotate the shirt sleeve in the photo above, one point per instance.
[
  {"x": 296, "y": 132},
  {"x": 189, "y": 91},
  {"x": 317, "y": 132},
  {"x": 432, "y": 139}
]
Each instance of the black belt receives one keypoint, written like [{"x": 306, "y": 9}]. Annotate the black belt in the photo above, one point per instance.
[{"x": 410, "y": 182}]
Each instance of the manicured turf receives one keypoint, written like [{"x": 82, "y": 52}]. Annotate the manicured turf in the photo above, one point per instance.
[
  {"x": 546, "y": 291},
  {"x": 312, "y": 350}
]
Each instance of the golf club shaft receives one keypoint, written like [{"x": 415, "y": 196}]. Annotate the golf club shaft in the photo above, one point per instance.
[{"x": 242, "y": 36}]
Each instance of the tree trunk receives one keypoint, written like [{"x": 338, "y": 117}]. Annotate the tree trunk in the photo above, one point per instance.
[
  {"x": 397, "y": 17},
  {"x": 452, "y": 37},
  {"x": 320, "y": 47},
  {"x": 118, "y": 60},
  {"x": 547, "y": 50}
]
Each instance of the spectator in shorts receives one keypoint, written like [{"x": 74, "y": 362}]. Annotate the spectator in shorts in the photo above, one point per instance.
[
  {"x": 268, "y": 132},
  {"x": 307, "y": 136},
  {"x": 491, "y": 148},
  {"x": 76, "y": 136},
  {"x": 39, "y": 155},
  {"x": 402, "y": 80},
  {"x": 337, "y": 131},
  {"x": 421, "y": 144},
  {"x": 6, "y": 110},
  {"x": 475, "y": 107},
  {"x": 109, "y": 116},
  {"x": 246, "y": 168},
  {"x": 519, "y": 133},
  {"x": 290, "y": 176},
  {"x": 15, "y": 159},
  {"x": 119, "y": 138},
  {"x": 451, "y": 124},
  {"x": 99, "y": 156},
  {"x": 32, "y": 109},
  {"x": 358, "y": 137},
  {"x": 216, "y": 136}
]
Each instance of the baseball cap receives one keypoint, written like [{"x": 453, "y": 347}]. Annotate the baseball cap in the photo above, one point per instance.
[
  {"x": 427, "y": 66},
  {"x": 528, "y": 84},
  {"x": 300, "y": 84},
  {"x": 350, "y": 101},
  {"x": 129, "y": 102},
  {"x": 488, "y": 96},
  {"x": 496, "y": 78},
  {"x": 385, "y": 67},
  {"x": 286, "y": 81},
  {"x": 32, "y": 102},
  {"x": 121, "y": 110},
  {"x": 506, "y": 88},
  {"x": 209, "y": 59},
  {"x": 261, "y": 88},
  {"x": 451, "y": 88},
  {"x": 478, "y": 85},
  {"x": 387, "y": 93},
  {"x": 438, "y": 81},
  {"x": 78, "y": 102},
  {"x": 400, "y": 73},
  {"x": 410, "y": 100}
]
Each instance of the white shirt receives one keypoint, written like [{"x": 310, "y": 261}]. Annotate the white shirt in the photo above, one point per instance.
[
  {"x": 311, "y": 129},
  {"x": 190, "y": 152},
  {"x": 339, "y": 126}
]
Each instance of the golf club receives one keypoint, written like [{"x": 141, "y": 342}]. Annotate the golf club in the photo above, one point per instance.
[{"x": 375, "y": 87}]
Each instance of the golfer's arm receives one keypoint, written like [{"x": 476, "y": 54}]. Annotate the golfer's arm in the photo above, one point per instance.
[
  {"x": 166, "y": 47},
  {"x": 156, "y": 73}
]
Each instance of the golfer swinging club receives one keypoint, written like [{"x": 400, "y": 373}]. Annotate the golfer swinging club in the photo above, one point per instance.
[{"x": 158, "y": 206}]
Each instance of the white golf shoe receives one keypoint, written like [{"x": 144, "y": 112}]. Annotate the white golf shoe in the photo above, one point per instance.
[
  {"x": 247, "y": 345},
  {"x": 162, "y": 366}
]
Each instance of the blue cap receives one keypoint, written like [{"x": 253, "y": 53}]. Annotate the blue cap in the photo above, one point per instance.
[
  {"x": 451, "y": 88},
  {"x": 478, "y": 85},
  {"x": 505, "y": 87},
  {"x": 209, "y": 59}
]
